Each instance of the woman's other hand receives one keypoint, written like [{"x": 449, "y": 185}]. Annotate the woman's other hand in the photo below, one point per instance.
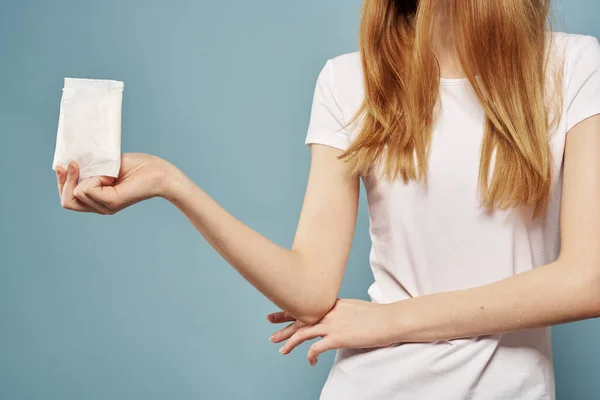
[
  {"x": 141, "y": 177},
  {"x": 287, "y": 332},
  {"x": 349, "y": 324}
]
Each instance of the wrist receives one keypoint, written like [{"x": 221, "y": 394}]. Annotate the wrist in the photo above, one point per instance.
[
  {"x": 172, "y": 183},
  {"x": 399, "y": 321}
]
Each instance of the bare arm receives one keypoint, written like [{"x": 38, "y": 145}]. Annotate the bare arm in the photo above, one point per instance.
[
  {"x": 305, "y": 280},
  {"x": 563, "y": 291}
]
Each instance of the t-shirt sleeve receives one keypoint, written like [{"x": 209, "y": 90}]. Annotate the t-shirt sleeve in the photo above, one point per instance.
[
  {"x": 583, "y": 90},
  {"x": 326, "y": 124}
]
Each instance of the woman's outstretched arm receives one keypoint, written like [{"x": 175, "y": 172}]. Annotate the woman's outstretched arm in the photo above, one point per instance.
[{"x": 303, "y": 280}]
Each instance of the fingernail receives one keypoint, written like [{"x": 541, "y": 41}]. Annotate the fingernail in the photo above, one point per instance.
[
  {"x": 71, "y": 169},
  {"x": 272, "y": 338},
  {"x": 281, "y": 349}
]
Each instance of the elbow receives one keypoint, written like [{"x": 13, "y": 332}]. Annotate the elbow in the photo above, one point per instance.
[
  {"x": 313, "y": 312},
  {"x": 312, "y": 316},
  {"x": 314, "y": 292},
  {"x": 593, "y": 288},
  {"x": 578, "y": 279},
  {"x": 588, "y": 292}
]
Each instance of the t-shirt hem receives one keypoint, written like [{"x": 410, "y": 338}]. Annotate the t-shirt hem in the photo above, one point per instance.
[
  {"x": 582, "y": 116},
  {"x": 328, "y": 139}
]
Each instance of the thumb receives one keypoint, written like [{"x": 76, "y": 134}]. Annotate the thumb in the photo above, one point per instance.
[
  {"x": 106, "y": 180},
  {"x": 100, "y": 190}
]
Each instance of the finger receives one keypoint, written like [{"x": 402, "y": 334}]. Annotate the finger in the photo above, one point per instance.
[
  {"x": 68, "y": 200},
  {"x": 304, "y": 334},
  {"x": 70, "y": 181},
  {"x": 280, "y": 317},
  {"x": 287, "y": 332},
  {"x": 80, "y": 194},
  {"x": 320, "y": 347},
  {"x": 61, "y": 177}
]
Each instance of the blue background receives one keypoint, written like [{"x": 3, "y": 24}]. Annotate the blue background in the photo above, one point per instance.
[{"x": 138, "y": 306}]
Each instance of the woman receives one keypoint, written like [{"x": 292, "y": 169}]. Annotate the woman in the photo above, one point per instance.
[{"x": 476, "y": 132}]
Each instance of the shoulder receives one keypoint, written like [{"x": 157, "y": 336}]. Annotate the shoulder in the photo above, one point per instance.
[
  {"x": 572, "y": 46},
  {"x": 349, "y": 63},
  {"x": 576, "y": 55},
  {"x": 573, "y": 41},
  {"x": 343, "y": 70},
  {"x": 343, "y": 76},
  {"x": 580, "y": 56}
]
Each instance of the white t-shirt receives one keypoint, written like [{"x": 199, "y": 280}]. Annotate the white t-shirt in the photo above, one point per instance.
[{"x": 439, "y": 239}]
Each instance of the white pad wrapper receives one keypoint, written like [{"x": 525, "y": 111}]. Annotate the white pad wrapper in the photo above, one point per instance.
[{"x": 89, "y": 126}]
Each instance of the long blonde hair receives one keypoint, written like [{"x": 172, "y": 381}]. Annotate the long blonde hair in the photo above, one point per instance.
[{"x": 503, "y": 43}]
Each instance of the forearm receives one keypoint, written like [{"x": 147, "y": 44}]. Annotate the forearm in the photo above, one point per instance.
[
  {"x": 279, "y": 273},
  {"x": 545, "y": 296},
  {"x": 563, "y": 291}
]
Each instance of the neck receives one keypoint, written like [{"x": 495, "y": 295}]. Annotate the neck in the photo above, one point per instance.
[{"x": 443, "y": 48}]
